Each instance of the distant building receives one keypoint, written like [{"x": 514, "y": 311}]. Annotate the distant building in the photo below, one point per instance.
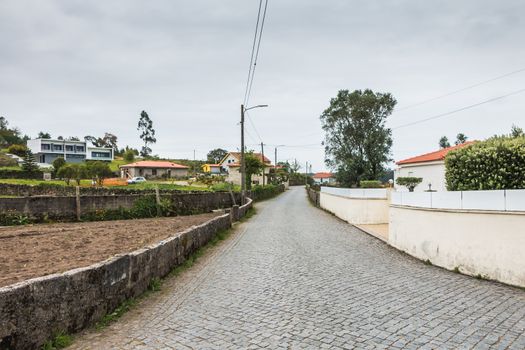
[
  {"x": 151, "y": 169},
  {"x": 324, "y": 178},
  {"x": 231, "y": 165},
  {"x": 47, "y": 150},
  {"x": 211, "y": 168},
  {"x": 429, "y": 166}
]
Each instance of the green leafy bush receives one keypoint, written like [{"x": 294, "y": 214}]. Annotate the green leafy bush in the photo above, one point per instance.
[
  {"x": 370, "y": 184},
  {"x": 265, "y": 192},
  {"x": 494, "y": 164},
  {"x": 6, "y": 161},
  {"x": 19, "y": 150},
  {"x": 409, "y": 182}
]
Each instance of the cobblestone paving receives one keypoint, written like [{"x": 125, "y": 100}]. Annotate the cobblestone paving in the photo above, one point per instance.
[{"x": 300, "y": 278}]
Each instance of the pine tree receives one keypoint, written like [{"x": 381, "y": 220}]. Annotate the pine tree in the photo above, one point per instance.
[{"x": 29, "y": 166}]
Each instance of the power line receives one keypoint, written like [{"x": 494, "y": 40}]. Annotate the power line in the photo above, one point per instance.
[
  {"x": 459, "y": 109},
  {"x": 460, "y": 90},
  {"x": 253, "y": 126},
  {"x": 257, "y": 52},
  {"x": 253, "y": 51}
]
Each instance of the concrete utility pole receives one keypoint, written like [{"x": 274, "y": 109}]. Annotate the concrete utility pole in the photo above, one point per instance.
[
  {"x": 243, "y": 168},
  {"x": 262, "y": 159},
  {"x": 306, "y": 174}
]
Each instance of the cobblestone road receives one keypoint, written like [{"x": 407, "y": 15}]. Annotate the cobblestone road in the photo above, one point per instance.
[{"x": 298, "y": 277}]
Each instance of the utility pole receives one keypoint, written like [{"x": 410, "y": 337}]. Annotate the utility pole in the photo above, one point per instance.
[
  {"x": 262, "y": 159},
  {"x": 194, "y": 165},
  {"x": 306, "y": 174},
  {"x": 243, "y": 167},
  {"x": 275, "y": 159}
]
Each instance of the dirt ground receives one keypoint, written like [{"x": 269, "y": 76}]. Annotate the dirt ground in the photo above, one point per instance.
[{"x": 36, "y": 250}]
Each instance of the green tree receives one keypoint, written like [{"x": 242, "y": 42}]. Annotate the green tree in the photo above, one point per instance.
[
  {"x": 460, "y": 139},
  {"x": 44, "y": 135},
  {"x": 147, "y": 133},
  {"x": 129, "y": 155},
  {"x": 58, "y": 163},
  {"x": 443, "y": 142},
  {"x": 516, "y": 131},
  {"x": 98, "y": 171},
  {"x": 216, "y": 155},
  {"x": 66, "y": 173},
  {"x": 357, "y": 142},
  {"x": 19, "y": 150},
  {"x": 254, "y": 166},
  {"x": 29, "y": 166},
  {"x": 108, "y": 140},
  {"x": 409, "y": 182}
]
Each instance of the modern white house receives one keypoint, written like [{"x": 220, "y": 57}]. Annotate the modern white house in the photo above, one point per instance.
[
  {"x": 47, "y": 150},
  {"x": 429, "y": 166},
  {"x": 153, "y": 169}
]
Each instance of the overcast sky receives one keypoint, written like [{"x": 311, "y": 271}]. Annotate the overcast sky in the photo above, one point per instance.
[{"x": 76, "y": 68}]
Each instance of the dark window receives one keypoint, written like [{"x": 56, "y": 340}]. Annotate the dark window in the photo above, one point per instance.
[
  {"x": 46, "y": 147},
  {"x": 153, "y": 172},
  {"x": 57, "y": 147},
  {"x": 80, "y": 148},
  {"x": 100, "y": 154},
  {"x": 69, "y": 148}
]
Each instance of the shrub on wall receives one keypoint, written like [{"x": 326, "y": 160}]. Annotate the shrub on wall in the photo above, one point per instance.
[
  {"x": 266, "y": 192},
  {"x": 370, "y": 184},
  {"x": 409, "y": 182},
  {"x": 494, "y": 164}
]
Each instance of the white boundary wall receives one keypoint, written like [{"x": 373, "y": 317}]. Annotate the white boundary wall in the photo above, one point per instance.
[
  {"x": 356, "y": 206},
  {"x": 479, "y": 232}
]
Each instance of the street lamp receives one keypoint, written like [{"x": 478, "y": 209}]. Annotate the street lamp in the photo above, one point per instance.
[{"x": 243, "y": 163}]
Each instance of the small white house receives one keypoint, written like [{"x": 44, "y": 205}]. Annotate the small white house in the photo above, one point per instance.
[
  {"x": 324, "y": 178},
  {"x": 430, "y": 167}
]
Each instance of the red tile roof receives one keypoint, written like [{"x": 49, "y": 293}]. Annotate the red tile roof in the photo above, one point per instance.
[
  {"x": 323, "y": 175},
  {"x": 154, "y": 164},
  {"x": 433, "y": 156}
]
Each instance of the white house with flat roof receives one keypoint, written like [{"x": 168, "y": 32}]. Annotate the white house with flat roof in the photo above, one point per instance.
[{"x": 47, "y": 150}]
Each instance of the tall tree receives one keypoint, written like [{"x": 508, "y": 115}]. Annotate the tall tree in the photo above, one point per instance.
[
  {"x": 216, "y": 155},
  {"x": 29, "y": 166},
  {"x": 147, "y": 133},
  {"x": 357, "y": 142},
  {"x": 516, "y": 131},
  {"x": 108, "y": 140},
  {"x": 443, "y": 142},
  {"x": 460, "y": 139},
  {"x": 3, "y": 123},
  {"x": 44, "y": 135}
]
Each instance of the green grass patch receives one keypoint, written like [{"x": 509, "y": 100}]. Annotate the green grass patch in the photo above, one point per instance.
[
  {"x": 428, "y": 262},
  {"x": 59, "y": 341},
  {"x": 116, "y": 314}
]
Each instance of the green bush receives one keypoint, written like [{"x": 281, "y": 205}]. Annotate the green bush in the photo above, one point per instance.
[
  {"x": 6, "y": 161},
  {"x": 494, "y": 164},
  {"x": 266, "y": 192},
  {"x": 370, "y": 184},
  {"x": 409, "y": 182},
  {"x": 19, "y": 150}
]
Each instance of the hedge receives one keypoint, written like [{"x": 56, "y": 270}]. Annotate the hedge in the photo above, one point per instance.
[
  {"x": 19, "y": 174},
  {"x": 265, "y": 192},
  {"x": 370, "y": 184},
  {"x": 495, "y": 164}
]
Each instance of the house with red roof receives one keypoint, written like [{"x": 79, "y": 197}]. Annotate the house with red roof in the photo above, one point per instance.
[
  {"x": 151, "y": 169},
  {"x": 231, "y": 165},
  {"x": 429, "y": 166},
  {"x": 324, "y": 178}
]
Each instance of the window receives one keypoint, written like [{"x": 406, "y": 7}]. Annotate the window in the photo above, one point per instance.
[
  {"x": 80, "y": 148},
  {"x": 100, "y": 154},
  {"x": 57, "y": 147},
  {"x": 46, "y": 147},
  {"x": 69, "y": 148},
  {"x": 154, "y": 172}
]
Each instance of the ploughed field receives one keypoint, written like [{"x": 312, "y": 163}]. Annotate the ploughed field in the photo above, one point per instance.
[{"x": 38, "y": 250}]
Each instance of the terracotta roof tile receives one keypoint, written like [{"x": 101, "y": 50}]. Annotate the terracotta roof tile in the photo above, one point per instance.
[
  {"x": 323, "y": 175},
  {"x": 433, "y": 156},
  {"x": 154, "y": 164}
]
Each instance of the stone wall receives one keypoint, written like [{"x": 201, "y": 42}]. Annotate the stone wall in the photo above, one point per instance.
[
  {"x": 64, "y": 207},
  {"x": 33, "y": 310},
  {"x": 313, "y": 196}
]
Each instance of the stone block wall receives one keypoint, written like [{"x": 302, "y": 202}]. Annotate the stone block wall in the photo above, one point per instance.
[{"x": 33, "y": 310}]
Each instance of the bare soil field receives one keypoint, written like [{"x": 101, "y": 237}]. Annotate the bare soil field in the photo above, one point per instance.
[{"x": 37, "y": 250}]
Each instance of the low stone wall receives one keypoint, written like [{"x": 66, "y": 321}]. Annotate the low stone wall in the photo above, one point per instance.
[
  {"x": 33, "y": 310},
  {"x": 485, "y": 243},
  {"x": 314, "y": 196},
  {"x": 64, "y": 208}
]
